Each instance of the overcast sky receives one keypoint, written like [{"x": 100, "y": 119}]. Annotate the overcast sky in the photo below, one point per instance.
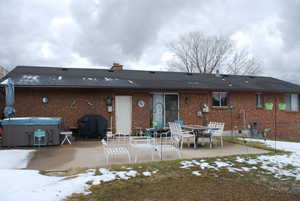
[{"x": 83, "y": 33}]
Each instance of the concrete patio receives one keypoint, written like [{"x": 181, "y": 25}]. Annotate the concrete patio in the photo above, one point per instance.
[{"x": 90, "y": 154}]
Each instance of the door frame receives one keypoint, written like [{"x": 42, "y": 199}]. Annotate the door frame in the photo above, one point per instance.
[{"x": 164, "y": 100}]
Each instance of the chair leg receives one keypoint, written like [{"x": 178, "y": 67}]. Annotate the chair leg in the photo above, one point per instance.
[
  {"x": 129, "y": 158},
  {"x": 135, "y": 159},
  {"x": 221, "y": 141},
  {"x": 106, "y": 158},
  {"x": 179, "y": 154},
  {"x": 152, "y": 155}
]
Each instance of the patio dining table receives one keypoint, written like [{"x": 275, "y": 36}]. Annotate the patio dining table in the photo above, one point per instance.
[
  {"x": 158, "y": 131},
  {"x": 198, "y": 131}
]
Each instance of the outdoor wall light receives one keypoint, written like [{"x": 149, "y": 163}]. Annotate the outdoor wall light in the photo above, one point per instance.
[
  {"x": 186, "y": 100},
  {"x": 45, "y": 100},
  {"x": 108, "y": 100},
  {"x": 231, "y": 106}
]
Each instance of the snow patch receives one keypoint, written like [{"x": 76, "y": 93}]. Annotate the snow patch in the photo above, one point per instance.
[
  {"x": 147, "y": 173},
  {"x": 196, "y": 173},
  {"x": 222, "y": 164},
  {"x": 277, "y": 164},
  {"x": 36, "y": 187},
  {"x": 14, "y": 159}
]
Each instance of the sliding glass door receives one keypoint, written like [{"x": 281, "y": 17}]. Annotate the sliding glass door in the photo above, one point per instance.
[
  {"x": 171, "y": 108},
  {"x": 158, "y": 111},
  {"x": 164, "y": 109}
]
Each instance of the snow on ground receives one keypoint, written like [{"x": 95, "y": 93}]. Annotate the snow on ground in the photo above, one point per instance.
[
  {"x": 147, "y": 173},
  {"x": 197, "y": 173},
  {"x": 19, "y": 184},
  {"x": 30, "y": 185},
  {"x": 14, "y": 158},
  {"x": 279, "y": 165}
]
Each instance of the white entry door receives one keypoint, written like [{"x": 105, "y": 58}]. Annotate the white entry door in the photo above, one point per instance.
[{"x": 123, "y": 114}]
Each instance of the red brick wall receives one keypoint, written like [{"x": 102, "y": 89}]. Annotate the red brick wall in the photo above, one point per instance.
[
  {"x": 71, "y": 104},
  {"x": 141, "y": 115},
  {"x": 287, "y": 123}
]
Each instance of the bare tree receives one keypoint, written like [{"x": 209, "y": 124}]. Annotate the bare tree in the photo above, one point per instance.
[
  {"x": 196, "y": 52},
  {"x": 242, "y": 63}
]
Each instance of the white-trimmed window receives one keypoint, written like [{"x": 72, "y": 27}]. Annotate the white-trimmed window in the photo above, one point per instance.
[
  {"x": 292, "y": 102},
  {"x": 220, "y": 99},
  {"x": 259, "y": 100}
]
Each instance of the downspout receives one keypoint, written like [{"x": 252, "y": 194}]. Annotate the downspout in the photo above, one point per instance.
[{"x": 275, "y": 121}]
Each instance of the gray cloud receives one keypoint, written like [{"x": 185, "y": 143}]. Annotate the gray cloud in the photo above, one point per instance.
[
  {"x": 290, "y": 24},
  {"x": 134, "y": 32},
  {"x": 121, "y": 30},
  {"x": 29, "y": 36}
]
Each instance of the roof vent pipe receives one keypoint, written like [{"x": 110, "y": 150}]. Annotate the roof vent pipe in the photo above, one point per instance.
[{"x": 218, "y": 73}]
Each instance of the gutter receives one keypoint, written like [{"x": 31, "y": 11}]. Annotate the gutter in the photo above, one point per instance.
[{"x": 160, "y": 89}]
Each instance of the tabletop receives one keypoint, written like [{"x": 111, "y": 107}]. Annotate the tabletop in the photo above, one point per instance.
[{"x": 198, "y": 127}]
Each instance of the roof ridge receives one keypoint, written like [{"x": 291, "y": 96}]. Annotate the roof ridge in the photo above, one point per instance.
[{"x": 135, "y": 70}]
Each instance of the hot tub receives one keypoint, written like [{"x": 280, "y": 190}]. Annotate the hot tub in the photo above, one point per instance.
[{"x": 19, "y": 131}]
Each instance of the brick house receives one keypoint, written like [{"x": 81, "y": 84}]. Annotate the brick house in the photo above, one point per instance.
[{"x": 131, "y": 100}]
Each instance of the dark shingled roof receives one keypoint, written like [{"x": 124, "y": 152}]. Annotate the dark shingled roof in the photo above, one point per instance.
[{"x": 105, "y": 78}]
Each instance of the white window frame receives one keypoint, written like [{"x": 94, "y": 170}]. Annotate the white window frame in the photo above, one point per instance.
[
  {"x": 259, "y": 100},
  {"x": 219, "y": 92},
  {"x": 292, "y": 102}
]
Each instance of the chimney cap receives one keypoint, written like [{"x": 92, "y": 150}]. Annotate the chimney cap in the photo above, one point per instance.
[{"x": 116, "y": 66}]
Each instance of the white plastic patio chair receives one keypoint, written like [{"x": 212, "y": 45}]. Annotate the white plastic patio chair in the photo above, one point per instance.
[
  {"x": 184, "y": 136},
  {"x": 203, "y": 139},
  {"x": 122, "y": 132},
  {"x": 218, "y": 132},
  {"x": 113, "y": 149},
  {"x": 140, "y": 144},
  {"x": 170, "y": 146},
  {"x": 110, "y": 134}
]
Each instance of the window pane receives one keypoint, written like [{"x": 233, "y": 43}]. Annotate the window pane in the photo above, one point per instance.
[
  {"x": 287, "y": 101},
  {"x": 158, "y": 110},
  {"x": 259, "y": 100},
  {"x": 171, "y": 105},
  {"x": 215, "y": 99},
  {"x": 219, "y": 99},
  {"x": 294, "y": 102},
  {"x": 223, "y": 96}
]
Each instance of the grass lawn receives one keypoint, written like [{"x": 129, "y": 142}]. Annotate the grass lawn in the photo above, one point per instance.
[{"x": 174, "y": 183}]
